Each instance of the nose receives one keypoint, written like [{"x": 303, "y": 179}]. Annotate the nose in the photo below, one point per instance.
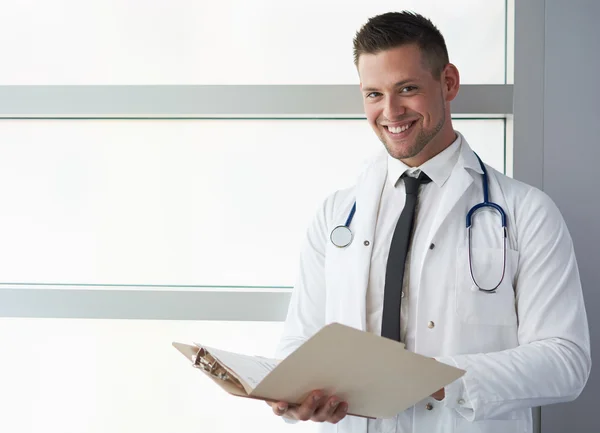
[{"x": 394, "y": 107}]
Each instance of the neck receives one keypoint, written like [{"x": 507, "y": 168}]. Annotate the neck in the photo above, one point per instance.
[{"x": 443, "y": 139}]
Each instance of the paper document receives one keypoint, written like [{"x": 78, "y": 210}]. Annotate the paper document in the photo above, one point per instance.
[
  {"x": 376, "y": 376},
  {"x": 249, "y": 369}
]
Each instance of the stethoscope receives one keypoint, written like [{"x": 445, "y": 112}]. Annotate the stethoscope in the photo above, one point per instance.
[{"x": 341, "y": 236}]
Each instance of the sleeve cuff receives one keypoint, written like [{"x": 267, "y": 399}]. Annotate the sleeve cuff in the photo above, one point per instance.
[{"x": 289, "y": 420}]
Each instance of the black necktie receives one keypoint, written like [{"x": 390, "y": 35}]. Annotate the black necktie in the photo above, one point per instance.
[{"x": 394, "y": 273}]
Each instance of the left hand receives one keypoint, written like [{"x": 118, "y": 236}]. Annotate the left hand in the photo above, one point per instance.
[{"x": 317, "y": 407}]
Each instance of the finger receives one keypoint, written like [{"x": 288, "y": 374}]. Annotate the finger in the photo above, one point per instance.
[
  {"x": 279, "y": 408},
  {"x": 306, "y": 410},
  {"x": 325, "y": 412},
  {"x": 340, "y": 413}
]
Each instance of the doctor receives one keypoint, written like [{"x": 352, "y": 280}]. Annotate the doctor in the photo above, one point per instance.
[{"x": 524, "y": 343}]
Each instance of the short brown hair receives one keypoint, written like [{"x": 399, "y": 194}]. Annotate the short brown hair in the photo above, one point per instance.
[{"x": 394, "y": 29}]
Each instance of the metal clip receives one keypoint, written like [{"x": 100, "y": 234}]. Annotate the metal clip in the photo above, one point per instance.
[{"x": 203, "y": 360}]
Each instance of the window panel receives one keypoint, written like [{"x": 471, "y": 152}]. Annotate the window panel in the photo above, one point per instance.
[
  {"x": 177, "y": 202},
  {"x": 225, "y": 42},
  {"x": 98, "y": 376}
]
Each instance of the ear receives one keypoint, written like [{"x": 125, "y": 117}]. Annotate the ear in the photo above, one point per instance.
[{"x": 450, "y": 81}]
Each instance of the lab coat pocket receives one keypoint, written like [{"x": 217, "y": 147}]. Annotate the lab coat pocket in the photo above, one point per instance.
[{"x": 476, "y": 307}]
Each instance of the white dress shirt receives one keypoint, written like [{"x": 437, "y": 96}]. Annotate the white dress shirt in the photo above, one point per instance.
[{"x": 438, "y": 169}]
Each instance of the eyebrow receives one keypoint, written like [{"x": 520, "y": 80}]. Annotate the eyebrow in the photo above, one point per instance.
[{"x": 398, "y": 84}]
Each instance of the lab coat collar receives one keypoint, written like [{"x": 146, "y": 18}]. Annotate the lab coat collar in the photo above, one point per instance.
[
  {"x": 459, "y": 181},
  {"x": 467, "y": 158}
]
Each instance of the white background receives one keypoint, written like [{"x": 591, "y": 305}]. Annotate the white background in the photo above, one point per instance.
[
  {"x": 225, "y": 41},
  {"x": 203, "y": 202}
]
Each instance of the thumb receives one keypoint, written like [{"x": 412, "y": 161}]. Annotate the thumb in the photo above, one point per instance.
[{"x": 280, "y": 408}]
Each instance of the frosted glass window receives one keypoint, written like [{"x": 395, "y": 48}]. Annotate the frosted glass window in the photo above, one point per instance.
[
  {"x": 176, "y": 202},
  {"x": 226, "y": 41},
  {"x": 123, "y": 376}
]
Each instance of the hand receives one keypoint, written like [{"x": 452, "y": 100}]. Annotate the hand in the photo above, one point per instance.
[{"x": 316, "y": 407}]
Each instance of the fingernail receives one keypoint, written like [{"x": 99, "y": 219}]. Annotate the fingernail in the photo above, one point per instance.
[
  {"x": 281, "y": 408},
  {"x": 344, "y": 408},
  {"x": 334, "y": 403},
  {"x": 316, "y": 398}
]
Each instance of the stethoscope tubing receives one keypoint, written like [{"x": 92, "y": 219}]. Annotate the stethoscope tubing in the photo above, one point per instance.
[{"x": 341, "y": 236}]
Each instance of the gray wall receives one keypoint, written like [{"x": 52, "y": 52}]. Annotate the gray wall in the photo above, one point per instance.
[{"x": 563, "y": 155}]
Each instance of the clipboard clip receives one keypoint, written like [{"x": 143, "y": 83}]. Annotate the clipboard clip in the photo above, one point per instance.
[{"x": 208, "y": 363}]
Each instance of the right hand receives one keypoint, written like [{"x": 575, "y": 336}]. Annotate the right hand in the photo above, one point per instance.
[{"x": 316, "y": 407}]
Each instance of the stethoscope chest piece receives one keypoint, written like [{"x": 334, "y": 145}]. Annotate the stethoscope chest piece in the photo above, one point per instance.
[{"x": 341, "y": 236}]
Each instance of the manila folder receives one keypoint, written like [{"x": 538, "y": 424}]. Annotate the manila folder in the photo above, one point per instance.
[{"x": 376, "y": 376}]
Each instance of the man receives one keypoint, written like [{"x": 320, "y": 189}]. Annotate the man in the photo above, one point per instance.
[{"x": 523, "y": 345}]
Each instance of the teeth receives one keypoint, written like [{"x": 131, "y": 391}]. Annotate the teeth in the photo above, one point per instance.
[{"x": 399, "y": 129}]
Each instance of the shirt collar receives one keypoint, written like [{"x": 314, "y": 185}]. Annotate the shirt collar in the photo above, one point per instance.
[{"x": 438, "y": 168}]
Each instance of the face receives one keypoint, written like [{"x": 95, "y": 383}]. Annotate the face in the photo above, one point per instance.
[{"x": 407, "y": 107}]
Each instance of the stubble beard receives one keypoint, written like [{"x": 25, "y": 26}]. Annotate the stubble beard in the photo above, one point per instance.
[{"x": 423, "y": 138}]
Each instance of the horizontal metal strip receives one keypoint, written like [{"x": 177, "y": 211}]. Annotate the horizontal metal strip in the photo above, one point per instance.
[
  {"x": 220, "y": 101},
  {"x": 168, "y": 287},
  {"x": 144, "y": 304}
]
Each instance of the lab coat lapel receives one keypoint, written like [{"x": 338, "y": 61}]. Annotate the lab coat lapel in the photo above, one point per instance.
[
  {"x": 368, "y": 196},
  {"x": 459, "y": 181}
]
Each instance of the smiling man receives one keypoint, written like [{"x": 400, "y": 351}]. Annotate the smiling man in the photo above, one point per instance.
[
  {"x": 506, "y": 309},
  {"x": 405, "y": 101}
]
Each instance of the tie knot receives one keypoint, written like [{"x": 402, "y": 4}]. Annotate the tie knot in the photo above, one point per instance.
[{"x": 412, "y": 183}]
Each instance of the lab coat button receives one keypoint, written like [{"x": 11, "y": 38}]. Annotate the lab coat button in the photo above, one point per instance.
[
  {"x": 367, "y": 243},
  {"x": 461, "y": 401},
  {"x": 432, "y": 246},
  {"x": 429, "y": 406},
  {"x": 431, "y": 325}
]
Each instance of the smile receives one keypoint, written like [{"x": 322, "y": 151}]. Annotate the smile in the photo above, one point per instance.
[{"x": 399, "y": 130}]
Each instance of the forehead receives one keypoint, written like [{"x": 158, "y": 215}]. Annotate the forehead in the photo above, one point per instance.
[{"x": 396, "y": 64}]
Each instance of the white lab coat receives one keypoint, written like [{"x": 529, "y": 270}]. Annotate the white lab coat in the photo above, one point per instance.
[{"x": 525, "y": 346}]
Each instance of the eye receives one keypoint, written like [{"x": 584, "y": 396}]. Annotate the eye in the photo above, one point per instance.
[
  {"x": 372, "y": 95},
  {"x": 408, "y": 89}
]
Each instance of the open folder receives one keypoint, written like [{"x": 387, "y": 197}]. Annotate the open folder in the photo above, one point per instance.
[{"x": 376, "y": 376}]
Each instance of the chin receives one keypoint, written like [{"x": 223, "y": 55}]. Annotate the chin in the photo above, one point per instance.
[{"x": 400, "y": 152}]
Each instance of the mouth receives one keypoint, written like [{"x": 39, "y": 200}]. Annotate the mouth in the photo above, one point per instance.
[{"x": 399, "y": 131}]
